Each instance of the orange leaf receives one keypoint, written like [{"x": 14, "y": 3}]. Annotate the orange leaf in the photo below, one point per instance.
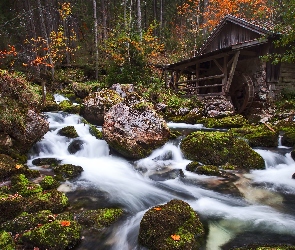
[
  {"x": 157, "y": 208},
  {"x": 18, "y": 166},
  {"x": 65, "y": 223},
  {"x": 175, "y": 237}
]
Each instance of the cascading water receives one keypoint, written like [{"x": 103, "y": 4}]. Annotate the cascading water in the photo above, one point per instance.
[{"x": 130, "y": 186}]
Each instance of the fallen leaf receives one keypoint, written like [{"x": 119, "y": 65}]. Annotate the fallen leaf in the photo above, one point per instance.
[
  {"x": 157, "y": 208},
  {"x": 65, "y": 223},
  {"x": 175, "y": 237},
  {"x": 18, "y": 166}
]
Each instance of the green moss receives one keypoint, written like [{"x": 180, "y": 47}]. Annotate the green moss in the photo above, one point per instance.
[
  {"x": 235, "y": 121},
  {"x": 68, "y": 131},
  {"x": 68, "y": 171},
  {"x": 49, "y": 183},
  {"x": 257, "y": 136},
  {"x": 52, "y": 200},
  {"x": 288, "y": 129},
  {"x": 174, "y": 218},
  {"x": 11, "y": 206},
  {"x": 21, "y": 185},
  {"x": 54, "y": 236},
  {"x": 6, "y": 241},
  {"x": 267, "y": 247},
  {"x": 95, "y": 132},
  {"x": 99, "y": 218},
  {"x": 218, "y": 148},
  {"x": 67, "y": 106},
  {"x": 27, "y": 221},
  {"x": 174, "y": 134}
]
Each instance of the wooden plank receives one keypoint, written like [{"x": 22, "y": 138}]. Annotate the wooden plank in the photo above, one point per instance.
[
  {"x": 224, "y": 80},
  {"x": 201, "y": 87},
  {"x": 232, "y": 71},
  {"x": 202, "y": 79}
]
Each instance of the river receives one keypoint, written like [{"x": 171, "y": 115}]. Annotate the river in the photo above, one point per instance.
[{"x": 261, "y": 211}]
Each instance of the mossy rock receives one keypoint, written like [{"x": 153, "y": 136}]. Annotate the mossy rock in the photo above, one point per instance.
[
  {"x": 49, "y": 182},
  {"x": 210, "y": 170},
  {"x": 288, "y": 129},
  {"x": 95, "y": 132},
  {"x": 11, "y": 206},
  {"x": 21, "y": 185},
  {"x": 67, "y": 106},
  {"x": 68, "y": 171},
  {"x": 174, "y": 134},
  {"x": 174, "y": 225},
  {"x": 257, "y": 136},
  {"x": 267, "y": 247},
  {"x": 99, "y": 218},
  {"x": 9, "y": 167},
  {"x": 27, "y": 221},
  {"x": 57, "y": 235},
  {"x": 52, "y": 162},
  {"x": 6, "y": 241},
  {"x": 68, "y": 131},
  {"x": 235, "y": 121},
  {"x": 220, "y": 148},
  {"x": 52, "y": 200}
]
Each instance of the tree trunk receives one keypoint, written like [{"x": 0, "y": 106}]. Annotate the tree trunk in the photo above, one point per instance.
[
  {"x": 95, "y": 38},
  {"x": 139, "y": 18}
]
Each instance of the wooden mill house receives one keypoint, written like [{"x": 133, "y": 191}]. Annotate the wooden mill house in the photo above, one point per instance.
[{"x": 229, "y": 64}]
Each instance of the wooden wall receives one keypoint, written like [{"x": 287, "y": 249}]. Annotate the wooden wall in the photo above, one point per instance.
[{"x": 231, "y": 34}]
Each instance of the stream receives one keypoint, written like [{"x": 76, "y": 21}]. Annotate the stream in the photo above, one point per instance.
[{"x": 261, "y": 211}]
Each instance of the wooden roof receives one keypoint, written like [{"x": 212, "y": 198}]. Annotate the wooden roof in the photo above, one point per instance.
[{"x": 232, "y": 33}]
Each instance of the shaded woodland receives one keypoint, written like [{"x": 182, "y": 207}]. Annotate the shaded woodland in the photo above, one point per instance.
[{"x": 121, "y": 39}]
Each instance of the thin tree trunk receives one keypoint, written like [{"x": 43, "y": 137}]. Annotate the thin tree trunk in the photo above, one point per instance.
[
  {"x": 139, "y": 17},
  {"x": 95, "y": 39},
  {"x": 104, "y": 18},
  {"x": 43, "y": 29}
]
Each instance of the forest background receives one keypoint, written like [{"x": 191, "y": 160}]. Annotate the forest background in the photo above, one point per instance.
[{"x": 123, "y": 41}]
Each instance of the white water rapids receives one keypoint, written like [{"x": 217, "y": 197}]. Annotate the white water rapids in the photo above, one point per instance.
[{"x": 129, "y": 184}]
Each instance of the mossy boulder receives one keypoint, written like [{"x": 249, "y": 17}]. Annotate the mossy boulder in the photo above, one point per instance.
[
  {"x": 97, "y": 104},
  {"x": 99, "y": 218},
  {"x": 57, "y": 235},
  {"x": 6, "y": 241},
  {"x": 220, "y": 148},
  {"x": 288, "y": 129},
  {"x": 174, "y": 225},
  {"x": 258, "y": 136},
  {"x": 235, "y": 121},
  {"x": 68, "y": 131},
  {"x": 67, "y": 171}
]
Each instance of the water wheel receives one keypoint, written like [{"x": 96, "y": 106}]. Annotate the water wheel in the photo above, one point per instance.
[{"x": 242, "y": 92}]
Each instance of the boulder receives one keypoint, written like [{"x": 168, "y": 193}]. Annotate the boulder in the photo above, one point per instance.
[
  {"x": 27, "y": 134},
  {"x": 220, "y": 148},
  {"x": 123, "y": 89},
  {"x": 97, "y": 104},
  {"x": 217, "y": 107},
  {"x": 293, "y": 154},
  {"x": 174, "y": 225},
  {"x": 134, "y": 129}
]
